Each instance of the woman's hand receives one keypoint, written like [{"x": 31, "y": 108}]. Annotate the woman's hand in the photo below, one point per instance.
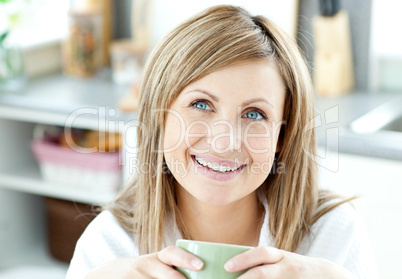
[
  {"x": 272, "y": 263},
  {"x": 156, "y": 265}
]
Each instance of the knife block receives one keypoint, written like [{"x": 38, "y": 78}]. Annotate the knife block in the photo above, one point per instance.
[{"x": 333, "y": 61}]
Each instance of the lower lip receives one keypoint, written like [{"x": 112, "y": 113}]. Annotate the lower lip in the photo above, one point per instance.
[{"x": 217, "y": 175}]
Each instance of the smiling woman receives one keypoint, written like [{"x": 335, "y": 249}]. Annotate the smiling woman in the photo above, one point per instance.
[{"x": 225, "y": 97}]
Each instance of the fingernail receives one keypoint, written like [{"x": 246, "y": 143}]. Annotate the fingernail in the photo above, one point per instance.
[
  {"x": 230, "y": 265},
  {"x": 197, "y": 263}
]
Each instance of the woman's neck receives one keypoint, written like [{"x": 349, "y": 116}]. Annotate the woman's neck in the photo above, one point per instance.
[{"x": 236, "y": 223}]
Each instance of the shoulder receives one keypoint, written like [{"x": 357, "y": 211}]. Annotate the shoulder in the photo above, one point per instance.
[
  {"x": 343, "y": 219},
  {"x": 103, "y": 240},
  {"x": 336, "y": 229},
  {"x": 105, "y": 224},
  {"x": 105, "y": 234},
  {"x": 341, "y": 237}
]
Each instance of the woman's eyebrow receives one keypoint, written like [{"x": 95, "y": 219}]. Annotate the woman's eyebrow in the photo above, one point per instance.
[
  {"x": 213, "y": 97},
  {"x": 246, "y": 103},
  {"x": 256, "y": 100}
]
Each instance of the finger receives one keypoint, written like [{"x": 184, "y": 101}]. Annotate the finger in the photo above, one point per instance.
[
  {"x": 262, "y": 271},
  {"x": 154, "y": 268},
  {"x": 254, "y": 257},
  {"x": 175, "y": 256}
]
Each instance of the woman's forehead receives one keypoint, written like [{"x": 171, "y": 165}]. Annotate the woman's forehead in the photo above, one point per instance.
[{"x": 255, "y": 78}]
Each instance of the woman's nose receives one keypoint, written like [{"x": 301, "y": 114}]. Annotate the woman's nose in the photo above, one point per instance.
[{"x": 226, "y": 136}]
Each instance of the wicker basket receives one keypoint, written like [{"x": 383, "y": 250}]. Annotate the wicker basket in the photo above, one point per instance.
[
  {"x": 66, "y": 221},
  {"x": 100, "y": 171}
]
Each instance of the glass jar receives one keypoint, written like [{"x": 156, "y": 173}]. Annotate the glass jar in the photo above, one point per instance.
[
  {"x": 12, "y": 70},
  {"x": 128, "y": 61},
  {"x": 83, "y": 48}
]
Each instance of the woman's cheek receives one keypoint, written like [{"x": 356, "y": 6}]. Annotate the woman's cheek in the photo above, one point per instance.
[
  {"x": 257, "y": 142},
  {"x": 261, "y": 146},
  {"x": 260, "y": 137},
  {"x": 174, "y": 131},
  {"x": 196, "y": 130}
]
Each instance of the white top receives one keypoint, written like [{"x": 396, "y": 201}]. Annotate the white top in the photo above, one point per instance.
[{"x": 339, "y": 236}]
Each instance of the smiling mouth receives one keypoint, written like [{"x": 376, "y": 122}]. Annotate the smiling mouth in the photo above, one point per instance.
[{"x": 215, "y": 167}]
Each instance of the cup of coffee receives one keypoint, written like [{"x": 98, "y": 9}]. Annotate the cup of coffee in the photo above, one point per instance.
[{"x": 214, "y": 256}]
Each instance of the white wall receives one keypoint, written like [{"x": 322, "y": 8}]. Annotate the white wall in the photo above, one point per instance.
[
  {"x": 168, "y": 14},
  {"x": 386, "y": 23}
]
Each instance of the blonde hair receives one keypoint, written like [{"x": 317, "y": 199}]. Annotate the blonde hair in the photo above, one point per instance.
[{"x": 213, "y": 39}]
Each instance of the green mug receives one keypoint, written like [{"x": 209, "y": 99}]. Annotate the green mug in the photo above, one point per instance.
[{"x": 214, "y": 256}]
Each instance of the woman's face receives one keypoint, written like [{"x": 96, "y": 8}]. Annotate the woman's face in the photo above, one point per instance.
[{"x": 221, "y": 132}]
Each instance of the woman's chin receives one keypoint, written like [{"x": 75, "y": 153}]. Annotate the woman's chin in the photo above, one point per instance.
[{"x": 213, "y": 198}]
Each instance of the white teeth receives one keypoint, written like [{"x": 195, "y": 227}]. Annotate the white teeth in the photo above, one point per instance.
[{"x": 214, "y": 167}]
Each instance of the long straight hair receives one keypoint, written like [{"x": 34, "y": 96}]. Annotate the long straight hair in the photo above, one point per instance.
[{"x": 211, "y": 40}]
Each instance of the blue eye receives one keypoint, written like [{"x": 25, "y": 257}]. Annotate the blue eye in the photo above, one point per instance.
[
  {"x": 255, "y": 115},
  {"x": 201, "y": 105}
]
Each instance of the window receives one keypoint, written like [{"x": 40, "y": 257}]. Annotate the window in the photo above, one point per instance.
[{"x": 34, "y": 22}]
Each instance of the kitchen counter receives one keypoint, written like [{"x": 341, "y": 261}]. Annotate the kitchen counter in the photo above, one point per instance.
[
  {"x": 63, "y": 98},
  {"x": 336, "y": 114},
  {"x": 65, "y": 94}
]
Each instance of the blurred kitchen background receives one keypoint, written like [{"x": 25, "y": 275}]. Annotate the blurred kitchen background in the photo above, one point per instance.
[{"x": 69, "y": 74}]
